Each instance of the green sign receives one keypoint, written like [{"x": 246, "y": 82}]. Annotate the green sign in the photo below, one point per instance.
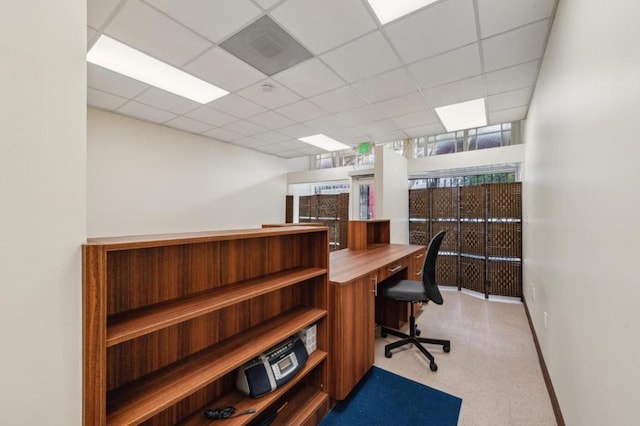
[{"x": 364, "y": 148}]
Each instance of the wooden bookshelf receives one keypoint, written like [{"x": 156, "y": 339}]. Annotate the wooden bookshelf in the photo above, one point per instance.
[
  {"x": 168, "y": 319},
  {"x": 143, "y": 321},
  {"x": 242, "y": 402}
]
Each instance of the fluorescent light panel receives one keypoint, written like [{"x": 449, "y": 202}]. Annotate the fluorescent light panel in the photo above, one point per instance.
[
  {"x": 390, "y": 10},
  {"x": 115, "y": 56},
  {"x": 324, "y": 142},
  {"x": 464, "y": 115}
]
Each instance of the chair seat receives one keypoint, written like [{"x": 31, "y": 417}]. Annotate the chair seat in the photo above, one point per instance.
[{"x": 404, "y": 290}]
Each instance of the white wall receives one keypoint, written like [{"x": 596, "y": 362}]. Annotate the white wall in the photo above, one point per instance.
[
  {"x": 145, "y": 179},
  {"x": 42, "y": 210},
  {"x": 392, "y": 192},
  {"x": 319, "y": 175},
  {"x": 581, "y": 203},
  {"x": 481, "y": 157}
]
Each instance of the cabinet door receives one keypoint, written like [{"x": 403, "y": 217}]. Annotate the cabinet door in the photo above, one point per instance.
[{"x": 352, "y": 333}]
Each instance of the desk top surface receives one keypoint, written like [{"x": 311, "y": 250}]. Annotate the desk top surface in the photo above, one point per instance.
[{"x": 347, "y": 265}]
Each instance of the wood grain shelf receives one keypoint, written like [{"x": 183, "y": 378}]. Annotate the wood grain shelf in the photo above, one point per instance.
[
  {"x": 139, "y": 401},
  {"x": 242, "y": 402},
  {"x": 301, "y": 408},
  {"x": 147, "y": 320},
  {"x": 168, "y": 318}
]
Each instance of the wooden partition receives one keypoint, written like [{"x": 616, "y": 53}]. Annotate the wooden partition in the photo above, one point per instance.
[
  {"x": 483, "y": 247},
  {"x": 331, "y": 210},
  {"x": 168, "y": 319}
]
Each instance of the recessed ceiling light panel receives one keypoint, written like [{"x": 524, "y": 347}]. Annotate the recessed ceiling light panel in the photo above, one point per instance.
[
  {"x": 115, "y": 56},
  {"x": 465, "y": 115},
  {"x": 390, "y": 10},
  {"x": 324, "y": 142}
]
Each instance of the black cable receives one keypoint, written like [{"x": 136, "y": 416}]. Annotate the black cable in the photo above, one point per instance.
[
  {"x": 220, "y": 413},
  {"x": 225, "y": 413}
]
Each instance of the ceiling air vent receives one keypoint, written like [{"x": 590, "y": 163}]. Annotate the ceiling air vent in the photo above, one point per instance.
[{"x": 266, "y": 46}]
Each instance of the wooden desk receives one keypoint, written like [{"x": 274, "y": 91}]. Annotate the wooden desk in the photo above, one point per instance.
[{"x": 354, "y": 276}]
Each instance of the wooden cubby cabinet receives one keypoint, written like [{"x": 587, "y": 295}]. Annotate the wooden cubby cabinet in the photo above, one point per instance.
[
  {"x": 169, "y": 318},
  {"x": 366, "y": 234}
]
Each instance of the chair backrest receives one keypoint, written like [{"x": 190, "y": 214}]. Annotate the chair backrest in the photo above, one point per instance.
[{"x": 429, "y": 269}]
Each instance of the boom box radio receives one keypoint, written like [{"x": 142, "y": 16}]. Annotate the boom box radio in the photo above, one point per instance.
[{"x": 273, "y": 368}]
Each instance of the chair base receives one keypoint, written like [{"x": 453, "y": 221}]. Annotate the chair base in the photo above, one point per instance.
[{"x": 412, "y": 338}]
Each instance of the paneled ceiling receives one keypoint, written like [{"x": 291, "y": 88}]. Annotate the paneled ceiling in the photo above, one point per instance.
[{"x": 363, "y": 82}]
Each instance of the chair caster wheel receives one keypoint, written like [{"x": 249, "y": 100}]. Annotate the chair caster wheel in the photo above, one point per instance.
[
  {"x": 446, "y": 348},
  {"x": 388, "y": 354},
  {"x": 433, "y": 366},
  {"x": 383, "y": 334},
  {"x": 418, "y": 332}
]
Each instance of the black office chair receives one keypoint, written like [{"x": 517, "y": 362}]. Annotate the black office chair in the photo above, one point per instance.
[{"x": 417, "y": 291}]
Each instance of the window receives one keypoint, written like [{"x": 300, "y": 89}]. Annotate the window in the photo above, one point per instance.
[
  {"x": 464, "y": 140},
  {"x": 493, "y": 136}
]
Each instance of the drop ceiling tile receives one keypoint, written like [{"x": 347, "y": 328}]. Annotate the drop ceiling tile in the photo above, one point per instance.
[
  {"x": 245, "y": 127},
  {"x": 507, "y": 100},
  {"x": 459, "y": 91},
  {"x": 211, "y": 116},
  {"x": 516, "y": 77},
  {"x": 497, "y": 16},
  {"x": 379, "y": 126},
  {"x": 430, "y": 129},
  {"x": 302, "y": 111},
  {"x": 98, "y": 11},
  {"x": 402, "y": 105},
  {"x": 293, "y": 144},
  {"x": 311, "y": 150},
  {"x": 145, "y": 112},
  {"x": 271, "y": 149},
  {"x": 298, "y": 131},
  {"x": 103, "y": 100},
  {"x": 326, "y": 124},
  {"x": 448, "y": 67},
  {"x": 150, "y": 31},
  {"x": 167, "y": 101},
  {"x": 236, "y": 106},
  {"x": 277, "y": 97},
  {"x": 444, "y": 26},
  {"x": 188, "y": 125},
  {"x": 271, "y": 120},
  {"x": 216, "y": 20},
  {"x": 386, "y": 86},
  {"x": 508, "y": 115},
  {"x": 362, "y": 58},
  {"x": 309, "y": 78},
  {"x": 271, "y": 137},
  {"x": 416, "y": 119},
  {"x": 111, "y": 82},
  {"x": 340, "y": 99},
  {"x": 266, "y": 4},
  {"x": 389, "y": 136},
  {"x": 223, "y": 135},
  {"x": 365, "y": 114},
  {"x": 515, "y": 47},
  {"x": 221, "y": 68},
  {"x": 321, "y": 25},
  {"x": 249, "y": 142},
  {"x": 347, "y": 134}
]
